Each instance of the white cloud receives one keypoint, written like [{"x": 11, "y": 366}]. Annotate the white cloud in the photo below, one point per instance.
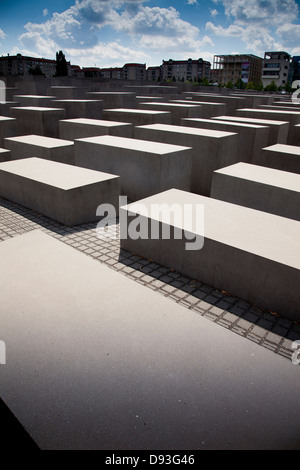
[
  {"x": 192, "y": 2},
  {"x": 261, "y": 11},
  {"x": 45, "y": 12},
  {"x": 232, "y": 30},
  {"x": 289, "y": 34},
  {"x": 2, "y": 34},
  {"x": 213, "y": 12}
]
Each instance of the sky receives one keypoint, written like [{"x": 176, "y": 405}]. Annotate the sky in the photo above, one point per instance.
[{"x": 110, "y": 33}]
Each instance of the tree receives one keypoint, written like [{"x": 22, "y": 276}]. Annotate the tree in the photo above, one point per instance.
[
  {"x": 61, "y": 65},
  {"x": 240, "y": 84},
  {"x": 229, "y": 84},
  {"x": 35, "y": 71},
  {"x": 271, "y": 87}
]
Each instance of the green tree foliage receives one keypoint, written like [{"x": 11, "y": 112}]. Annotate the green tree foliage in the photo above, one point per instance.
[
  {"x": 35, "y": 71},
  {"x": 271, "y": 87}
]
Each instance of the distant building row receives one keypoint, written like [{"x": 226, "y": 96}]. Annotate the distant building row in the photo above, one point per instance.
[{"x": 279, "y": 67}]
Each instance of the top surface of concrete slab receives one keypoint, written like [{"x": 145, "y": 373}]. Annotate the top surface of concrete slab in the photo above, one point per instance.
[
  {"x": 41, "y": 141},
  {"x": 38, "y": 108},
  {"x": 134, "y": 144},
  {"x": 260, "y": 174},
  {"x": 75, "y": 101},
  {"x": 95, "y": 122},
  {"x": 187, "y": 130},
  {"x": 253, "y": 120},
  {"x": 233, "y": 225},
  {"x": 269, "y": 110},
  {"x": 33, "y": 96},
  {"x": 236, "y": 124},
  {"x": 55, "y": 174},
  {"x": 98, "y": 361},
  {"x": 171, "y": 105},
  {"x": 113, "y": 93},
  {"x": 198, "y": 102},
  {"x": 136, "y": 111},
  {"x": 6, "y": 118},
  {"x": 291, "y": 149}
]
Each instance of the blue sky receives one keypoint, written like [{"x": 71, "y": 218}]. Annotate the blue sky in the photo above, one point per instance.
[{"x": 109, "y": 33}]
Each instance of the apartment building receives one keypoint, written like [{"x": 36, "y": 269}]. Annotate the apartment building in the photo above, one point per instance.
[
  {"x": 182, "y": 70},
  {"x": 22, "y": 65},
  {"x": 276, "y": 67},
  {"x": 134, "y": 72},
  {"x": 233, "y": 67},
  {"x": 154, "y": 73}
]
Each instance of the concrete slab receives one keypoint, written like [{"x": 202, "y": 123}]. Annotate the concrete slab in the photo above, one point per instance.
[
  {"x": 34, "y": 100},
  {"x": 79, "y": 128},
  {"x": 65, "y": 193},
  {"x": 5, "y": 155},
  {"x": 151, "y": 89},
  {"x": 8, "y": 128},
  {"x": 91, "y": 109},
  {"x": 297, "y": 134},
  {"x": 281, "y": 157},
  {"x": 248, "y": 253},
  {"x": 38, "y": 120},
  {"x": 278, "y": 129},
  {"x": 252, "y": 137},
  {"x": 253, "y": 100},
  {"x": 5, "y": 108},
  {"x": 211, "y": 149},
  {"x": 89, "y": 368},
  {"x": 261, "y": 188},
  {"x": 49, "y": 148},
  {"x": 138, "y": 117},
  {"x": 67, "y": 92},
  {"x": 144, "y": 167},
  {"x": 113, "y": 99},
  {"x": 177, "y": 110},
  {"x": 232, "y": 102},
  {"x": 293, "y": 117},
  {"x": 207, "y": 109}
]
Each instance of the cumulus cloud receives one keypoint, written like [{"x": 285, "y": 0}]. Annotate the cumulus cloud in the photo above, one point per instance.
[{"x": 2, "y": 34}]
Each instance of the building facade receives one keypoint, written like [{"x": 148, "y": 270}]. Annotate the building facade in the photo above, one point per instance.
[
  {"x": 134, "y": 72},
  {"x": 233, "y": 67},
  {"x": 23, "y": 65},
  {"x": 276, "y": 67},
  {"x": 183, "y": 70},
  {"x": 154, "y": 73}
]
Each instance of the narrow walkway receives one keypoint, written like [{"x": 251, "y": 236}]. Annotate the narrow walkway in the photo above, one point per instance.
[{"x": 250, "y": 321}]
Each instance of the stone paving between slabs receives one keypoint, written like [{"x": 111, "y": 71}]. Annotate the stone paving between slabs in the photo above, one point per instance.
[{"x": 265, "y": 328}]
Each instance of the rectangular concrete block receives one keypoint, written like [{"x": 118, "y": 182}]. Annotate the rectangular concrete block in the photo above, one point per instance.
[
  {"x": 211, "y": 149},
  {"x": 38, "y": 120},
  {"x": 293, "y": 117},
  {"x": 151, "y": 89},
  {"x": 48, "y": 148},
  {"x": 113, "y": 99},
  {"x": 252, "y": 137},
  {"x": 138, "y": 117},
  {"x": 278, "y": 129},
  {"x": 177, "y": 110},
  {"x": 144, "y": 167},
  {"x": 5, "y": 155},
  {"x": 65, "y": 193},
  {"x": 8, "y": 128},
  {"x": 232, "y": 102},
  {"x": 297, "y": 134},
  {"x": 257, "y": 187},
  {"x": 253, "y": 100},
  {"x": 207, "y": 109},
  {"x": 248, "y": 253},
  {"x": 281, "y": 157},
  {"x": 79, "y": 128},
  {"x": 34, "y": 100},
  {"x": 67, "y": 92},
  {"x": 5, "y": 108},
  {"x": 91, "y": 109}
]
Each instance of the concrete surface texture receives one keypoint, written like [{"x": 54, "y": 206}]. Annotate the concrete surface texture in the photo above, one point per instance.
[
  {"x": 177, "y": 110},
  {"x": 7, "y": 128},
  {"x": 91, "y": 109},
  {"x": 211, "y": 149},
  {"x": 144, "y": 167},
  {"x": 261, "y": 188},
  {"x": 242, "y": 258},
  {"x": 5, "y": 155},
  {"x": 38, "y": 120},
  {"x": 278, "y": 129},
  {"x": 138, "y": 117},
  {"x": 50, "y": 148},
  {"x": 281, "y": 157},
  {"x": 207, "y": 109},
  {"x": 65, "y": 193},
  {"x": 252, "y": 137},
  {"x": 79, "y": 128},
  {"x": 98, "y": 373}
]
